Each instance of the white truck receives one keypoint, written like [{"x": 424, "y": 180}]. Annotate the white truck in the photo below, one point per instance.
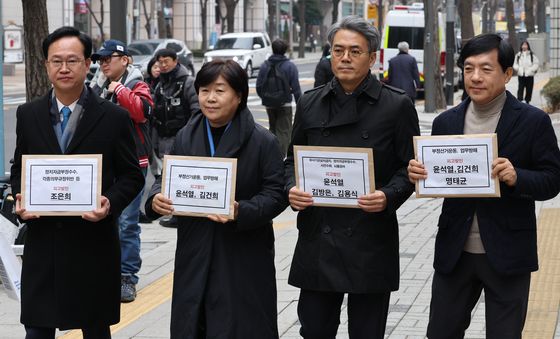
[{"x": 406, "y": 23}]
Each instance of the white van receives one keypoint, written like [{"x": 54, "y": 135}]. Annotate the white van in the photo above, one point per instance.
[{"x": 406, "y": 23}]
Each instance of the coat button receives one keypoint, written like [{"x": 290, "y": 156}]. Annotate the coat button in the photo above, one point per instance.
[
  {"x": 327, "y": 230},
  {"x": 365, "y": 135},
  {"x": 349, "y": 231},
  {"x": 370, "y": 102},
  {"x": 326, "y": 133}
]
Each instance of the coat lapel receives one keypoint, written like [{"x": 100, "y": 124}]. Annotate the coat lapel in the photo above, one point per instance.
[
  {"x": 92, "y": 112},
  {"x": 41, "y": 110},
  {"x": 510, "y": 114}
]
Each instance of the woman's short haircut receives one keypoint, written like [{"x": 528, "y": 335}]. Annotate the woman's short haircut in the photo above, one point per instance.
[
  {"x": 485, "y": 43},
  {"x": 67, "y": 31},
  {"x": 230, "y": 70},
  {"x": 357, "y": 24}
]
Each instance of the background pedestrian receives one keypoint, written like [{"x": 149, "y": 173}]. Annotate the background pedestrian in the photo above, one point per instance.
[{"x": 526, "y": 65}]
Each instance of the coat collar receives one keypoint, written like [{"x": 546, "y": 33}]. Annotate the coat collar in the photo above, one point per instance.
[
  {"x": 237, "y": 135},
  {"x": 510, "y": 114},
  {"x": 93, "y": 111},
  {"x": 370, "y": 88}
]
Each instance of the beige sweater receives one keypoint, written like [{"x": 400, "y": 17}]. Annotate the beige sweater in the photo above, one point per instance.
[{"x": 481, "y": 119}]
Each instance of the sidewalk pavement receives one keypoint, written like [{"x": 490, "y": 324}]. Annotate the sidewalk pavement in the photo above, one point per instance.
[{"x": 149, "y": 315}]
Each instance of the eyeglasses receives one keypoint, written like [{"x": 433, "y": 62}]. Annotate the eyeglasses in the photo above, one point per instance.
[
  {"x": 107, "y": 59},
  {"x": 353, "y": 52},
  {"x": 70, "y": 63}
]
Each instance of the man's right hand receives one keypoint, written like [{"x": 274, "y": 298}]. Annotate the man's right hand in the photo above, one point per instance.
[
  {"x": 299, "y": 200},
  {"x": 162, "y": 205},
  {"x": 416, "y": 171},
  {"x": 21, "y": 212}
]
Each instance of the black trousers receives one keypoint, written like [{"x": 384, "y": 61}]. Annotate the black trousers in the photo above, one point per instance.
[
  {"x": 455, "y": 295},
  {"x": 102, "y": 332},
  {"x": 525, "y": 83},
  {"x": 319, "y": 314}
]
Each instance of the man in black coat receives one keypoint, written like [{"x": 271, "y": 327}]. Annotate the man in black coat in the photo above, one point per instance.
[
  {"x": 347, "y": 250},
  {"x": 403, "y": 71},
  {"x": 71, "y": 265},
  {"x": 490, "y": 244}
]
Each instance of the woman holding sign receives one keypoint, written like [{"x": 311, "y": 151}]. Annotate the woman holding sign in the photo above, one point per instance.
[{"x": 224, "y": 283}]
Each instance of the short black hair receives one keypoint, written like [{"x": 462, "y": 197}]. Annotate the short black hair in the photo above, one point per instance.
[
  {"x": 166, "y": 53},
  {"x": 230, "y": 70},
  {"x": 67, "y": 31},
  {"x": 279, "y": 46},
  {"x": 485, "y": 43}
]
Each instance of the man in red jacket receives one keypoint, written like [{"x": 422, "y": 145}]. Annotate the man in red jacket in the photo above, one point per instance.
[{"x": 123, "y": 84}]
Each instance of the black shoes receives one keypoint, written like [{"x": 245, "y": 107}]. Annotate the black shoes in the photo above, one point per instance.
[{"x": 169, "y": 222}]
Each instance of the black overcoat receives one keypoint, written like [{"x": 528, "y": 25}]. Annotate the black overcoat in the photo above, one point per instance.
[
  {"x": 508, "y": 225},
  {"x": 347, "y": 249},
  {"x": 71, "y": 267},
  {"x": 226, "y": 271}
]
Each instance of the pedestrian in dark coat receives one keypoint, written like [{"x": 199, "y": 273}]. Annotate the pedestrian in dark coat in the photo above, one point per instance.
[
  {"x": 71, "y": 265},
  {"x": 224, "y": 282},
  {"x": 323, "y": 70},
  {"x": 403, "y": 71},
  {"x": 351, "y": 250}
]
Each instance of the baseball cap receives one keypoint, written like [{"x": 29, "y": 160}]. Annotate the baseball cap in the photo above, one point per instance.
[{"x": 109, "y": 47}]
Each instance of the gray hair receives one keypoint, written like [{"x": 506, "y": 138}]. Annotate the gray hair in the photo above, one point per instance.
[
  {"x": 359, "y": 25},
  {"x": 403, "y": 46}
]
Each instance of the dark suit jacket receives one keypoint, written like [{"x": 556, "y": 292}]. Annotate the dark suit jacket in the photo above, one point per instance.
[
  {"x": 403, "y": 73},
  {"x": 71, "y": 267},
  {"x": 507, "y": 224}
]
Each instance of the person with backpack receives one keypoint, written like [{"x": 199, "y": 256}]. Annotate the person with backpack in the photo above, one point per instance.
[
  {"x": 122, "y": 83},
  {"x": 526, "y": 65},
  {"x": 175, "y": 102},
  {"x": 278, "y": 80}
]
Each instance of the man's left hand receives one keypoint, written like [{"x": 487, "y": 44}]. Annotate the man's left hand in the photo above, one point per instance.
[
  {"x": 504, "y": 170},
  {"x": 373, "y": 202},
  {"x": 99, "y": 213},
  {"x": 112, "y": 86}
]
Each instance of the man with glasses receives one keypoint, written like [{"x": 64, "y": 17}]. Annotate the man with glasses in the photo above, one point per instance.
[
  {"x": 71, "y": 265},
  {"x": 175, "y": 101},
  {"x": 123, "y": 84},
  {"x": 352, "y": 251}
]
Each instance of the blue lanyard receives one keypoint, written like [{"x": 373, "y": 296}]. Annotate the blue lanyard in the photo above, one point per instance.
[{"x": 210, "y": 138}]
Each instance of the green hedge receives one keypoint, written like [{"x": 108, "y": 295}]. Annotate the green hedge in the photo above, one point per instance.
[{"x": 551, "y": 91}]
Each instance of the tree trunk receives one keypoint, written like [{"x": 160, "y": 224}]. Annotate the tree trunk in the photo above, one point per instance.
[
  {"x": 98, "y": 21},
  {"x": 335, "y": 11},
  {"x": 541, "y": 15},
  {"x": 204, "y": 23},
  {"x": 36, "y": 28},
  {"x": 433, "y": 86},
  {"x": 272, "y": 18},
  {"x": 464, "y": 7},
  {"x": 148, "y": 18},
  {"x": 529, "y": 16},
  {"x": 302, "y": 37},
  {"x": 230, "y": 14},
  {"x": 510, "y": 17}
]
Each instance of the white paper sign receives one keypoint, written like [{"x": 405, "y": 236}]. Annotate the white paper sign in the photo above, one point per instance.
[
  {"x": 335, "y": 176},
  {"x": 457, "y": 165},
  {"x": 10, "y": 270},
  {"x": 61, "y": 184},
  {"x": 200, "y": 186}
]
